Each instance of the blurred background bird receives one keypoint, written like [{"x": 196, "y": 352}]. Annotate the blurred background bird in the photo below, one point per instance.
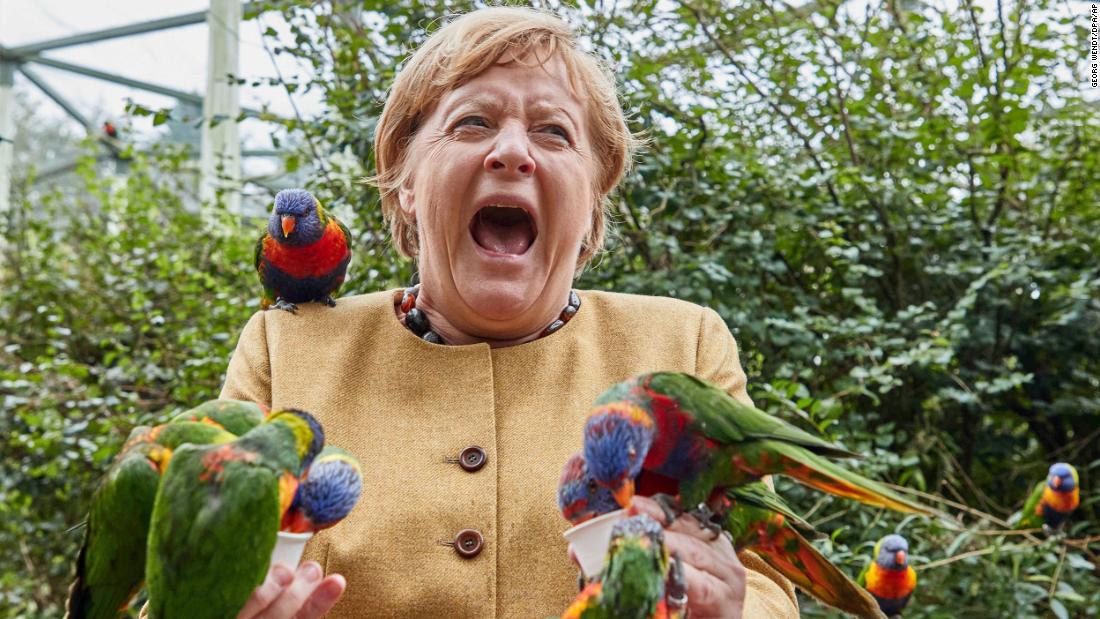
[
  {"x": 632, "y": 584},
  {"x": 1052, "y": 500},
  {"x": 234, "y": 416},
  {"x": 327, "y": 494},
  {"x": 303, "y": 254},
  {"x": 221, "y": 505},
  {"x": 889, "y": 577}
]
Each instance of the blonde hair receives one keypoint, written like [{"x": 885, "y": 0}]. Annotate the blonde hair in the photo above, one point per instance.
[{"x": 461, "y": 50}]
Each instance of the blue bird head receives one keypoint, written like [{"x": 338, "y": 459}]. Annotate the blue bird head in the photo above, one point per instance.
[
  {"x": 296, "y": 218},
  {"x": 617, "y": 437},
  {"x": 580, "y": 498},
  {"x": 1062, "y": 477},
  {"x": 331, "y": 489},
  {"x": 892, "y": 552}
]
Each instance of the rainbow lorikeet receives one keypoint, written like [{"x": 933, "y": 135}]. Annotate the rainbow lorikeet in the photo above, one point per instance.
[
  {"x": 580, "y": 498},
  {"x": 634, "y": 579},
  {"x": 217, "y": 513},
  {"x": 326, "y": 494},
  {"x": 890, "y": 578},
  {"x": 111, "y": 563},
  {"x": 759, "y": 520},
  {"x": 236, "y": 416},
  {"x": 756, "y": 518},
  {"x": 304, "y": 253},
  {"x": 1052, "y": 500},
  {"x": 685, "y": 429}
]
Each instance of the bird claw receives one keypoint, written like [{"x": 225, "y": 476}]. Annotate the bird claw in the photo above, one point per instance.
[
  {"x": 705, "y": 515},
  {"x": 676, "y": 589},
  {"x": 670, "y": 505},
  {"x": 329, "y": 301},
  {"x": 283, "y": 304}
]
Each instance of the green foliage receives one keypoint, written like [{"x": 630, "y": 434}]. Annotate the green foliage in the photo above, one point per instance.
[{"x": 894, "y": 209}]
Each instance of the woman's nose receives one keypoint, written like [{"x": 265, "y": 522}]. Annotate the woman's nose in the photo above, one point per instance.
[{"x": 511, "y": 153}]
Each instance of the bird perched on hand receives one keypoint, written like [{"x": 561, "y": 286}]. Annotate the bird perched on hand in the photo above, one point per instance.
[
  {"x": 304, "y": 253},
  {"x": 633, "y": 582},
  {"x": 890, "y": 578},
  {"x": 1052, "y": 501},
  {"x": 110, "y": 566},
  {"x": 580, "y": 498},
  {"x": 220, "y": 506},
  {"x": 684, "y": 429},
  {"x": 326, "y": 494}
]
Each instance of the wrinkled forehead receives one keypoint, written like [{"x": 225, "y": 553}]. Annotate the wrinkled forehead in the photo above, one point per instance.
[{"x": 537, "y": 82}]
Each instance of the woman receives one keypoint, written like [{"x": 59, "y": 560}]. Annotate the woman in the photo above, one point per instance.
[{"x": 463, "y": 397}]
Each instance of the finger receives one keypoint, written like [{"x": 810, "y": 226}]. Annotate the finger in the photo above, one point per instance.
[
  {"x": 291, "y": 600},
  {"x": 647, "y": 506},
  {"x": 709, "y": 596},
  {"x": 278, "y": 577},
  {"x": 711, "y": 557},
  {"x": 573, "y": 555},
  {"x": 324, "y": 597}
]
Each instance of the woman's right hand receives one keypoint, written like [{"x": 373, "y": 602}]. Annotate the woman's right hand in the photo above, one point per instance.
[{"x": 303, "y": 594}]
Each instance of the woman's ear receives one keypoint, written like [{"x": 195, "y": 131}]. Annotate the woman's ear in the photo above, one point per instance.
[{"x": 405, "y": 200}]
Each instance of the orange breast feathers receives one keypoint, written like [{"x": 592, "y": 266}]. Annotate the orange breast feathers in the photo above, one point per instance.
[
  {"x": 313, "y": 260},
  {"x": 1064, "y": 502},
  {"x": 891, "y": 584}
]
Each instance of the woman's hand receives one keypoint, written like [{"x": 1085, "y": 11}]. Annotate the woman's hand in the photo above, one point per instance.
[
  {"x": 715, "y": 576},
  {"x": 303, "y": 594}
]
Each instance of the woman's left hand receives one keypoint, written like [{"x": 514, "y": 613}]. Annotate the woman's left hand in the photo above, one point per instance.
[{"x": 714, "y": 574}]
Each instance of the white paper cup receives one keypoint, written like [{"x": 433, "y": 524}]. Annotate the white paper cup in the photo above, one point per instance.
[
  {"x": 590, "y": 540},
  {"x": 289, "y": 548}
]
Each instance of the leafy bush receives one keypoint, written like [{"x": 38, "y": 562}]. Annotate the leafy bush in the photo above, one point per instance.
[{"x": 895, "y": 210}]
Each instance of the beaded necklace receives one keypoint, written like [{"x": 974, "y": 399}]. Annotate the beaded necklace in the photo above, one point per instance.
[{"x": 417, "y": 321}]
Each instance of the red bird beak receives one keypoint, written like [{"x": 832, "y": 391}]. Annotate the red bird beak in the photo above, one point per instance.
[
  {"x": 899, "y": 556},
  {"x": 624, "y": 493},
  {"x": 288, "y": 225},
  {"x": 1056, "y": 481}
]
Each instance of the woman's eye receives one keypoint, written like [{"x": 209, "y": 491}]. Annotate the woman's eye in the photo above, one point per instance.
[
  {"x": 472, "y": 121},
  {"x": 557, "y": 130}
]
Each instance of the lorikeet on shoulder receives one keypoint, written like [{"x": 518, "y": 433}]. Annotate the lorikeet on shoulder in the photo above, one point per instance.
[
  {"x": 890, "y": 578},
  {"x": 219, "y": 506},
  {"x": 1052, "y": 500},
  {"x": 683, "y": 428},
  {"x": 633, "y": 582},
  {"x": 304, "y": 253}
]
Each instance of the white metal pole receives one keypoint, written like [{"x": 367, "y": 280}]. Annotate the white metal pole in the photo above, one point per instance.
[
  {"x": 7, "y": 133},
  {"x": 220, "y": 160}
]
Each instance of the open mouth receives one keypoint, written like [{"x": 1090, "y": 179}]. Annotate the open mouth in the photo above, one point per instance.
[{"x": 503, "y": 229}]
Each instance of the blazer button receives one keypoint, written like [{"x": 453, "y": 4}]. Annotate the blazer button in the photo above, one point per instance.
[
  {"x": 472, "y": 459},
  {"x": 468, "y": 543}
]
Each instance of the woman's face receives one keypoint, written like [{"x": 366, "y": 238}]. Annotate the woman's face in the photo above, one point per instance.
[{"x": 502, "y": 193}]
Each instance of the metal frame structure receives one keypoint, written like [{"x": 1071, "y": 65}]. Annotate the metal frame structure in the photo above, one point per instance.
[{"x": 221, "y": 149}]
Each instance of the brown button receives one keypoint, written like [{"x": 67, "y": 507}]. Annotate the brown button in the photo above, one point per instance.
[
  {"x": 468, "y": 543},
  {"x": 472, "y": 458}
]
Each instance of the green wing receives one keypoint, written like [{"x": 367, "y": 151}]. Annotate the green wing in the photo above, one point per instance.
[
  {"x": 1028, "y": 518},
  {"x": 111, "y": 563},
  {"x": 172, "y": 435},
  {"x": 236, "y": 416},
  {"x": 722, "y": 418},
  {"x": 758, "y": 494},
  {"x": 204, "y": 520}
]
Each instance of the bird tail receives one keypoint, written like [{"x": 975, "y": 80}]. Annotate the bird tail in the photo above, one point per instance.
[
  {"x": 821, "y": 474},
  {"x": 794, "y": 557},
  {"x": 99, "y": 602}
]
